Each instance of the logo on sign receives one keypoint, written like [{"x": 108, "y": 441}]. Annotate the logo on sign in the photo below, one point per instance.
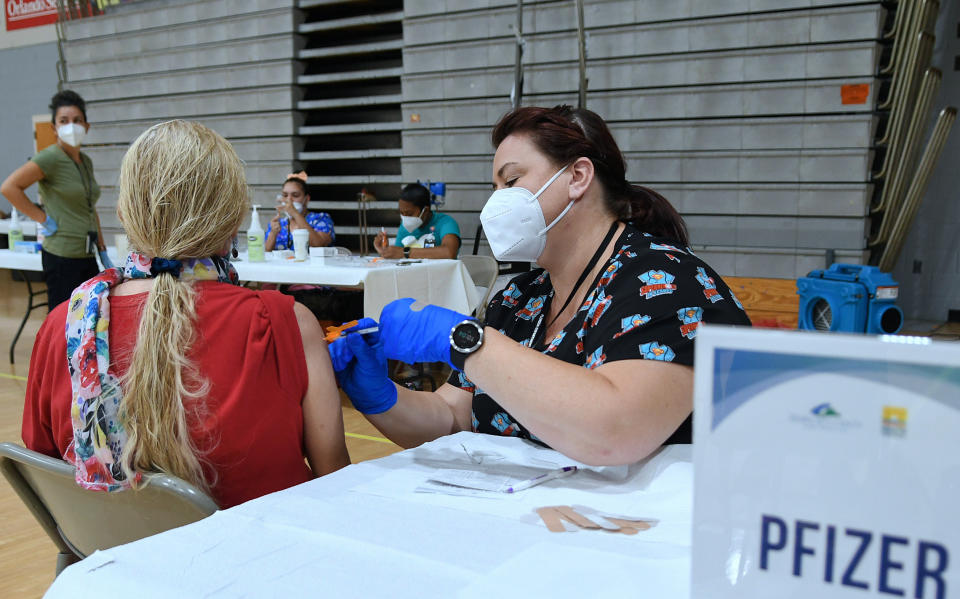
[
  {"x": 824, "y": 410},
  {"x": 894, "y": 421},
  {"x": 824, "y": 417}
]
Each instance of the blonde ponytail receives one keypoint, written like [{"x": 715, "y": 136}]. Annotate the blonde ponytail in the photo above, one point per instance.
[
  {"x": 182, "y": 195},
  {"x": 159, "y": 384}
]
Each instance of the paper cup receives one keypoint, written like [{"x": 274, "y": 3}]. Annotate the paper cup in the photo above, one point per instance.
[{"x": 301, "y": 242}]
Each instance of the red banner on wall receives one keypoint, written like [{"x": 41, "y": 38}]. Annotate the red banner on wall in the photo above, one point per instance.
[
  {"x": 33, "y": 13},
  {"x": 29, "y": 13}
]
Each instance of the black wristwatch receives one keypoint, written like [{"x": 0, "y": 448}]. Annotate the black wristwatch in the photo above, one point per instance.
[
  {"x": 406, "y": 251},
  {"x": 465, "y": 338}
]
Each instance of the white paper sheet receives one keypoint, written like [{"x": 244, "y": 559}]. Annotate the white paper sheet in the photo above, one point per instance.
[
  {"x": 634, "y": 492},
  {"x": 555, "y": 570},
  {"x": 364, "y": 531}
]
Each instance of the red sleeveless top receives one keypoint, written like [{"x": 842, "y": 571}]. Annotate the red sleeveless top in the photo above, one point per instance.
[{"x": 248, "y": 348}]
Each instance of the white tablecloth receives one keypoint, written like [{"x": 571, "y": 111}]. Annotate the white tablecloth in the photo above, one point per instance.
[
  {"x": 24, "y": 261},
  {"x": 442, "y": 282},
  {"x": 365, "y": 532},
  {"x": 20, "y": 261},
  {"x": 27, "y": 226}
]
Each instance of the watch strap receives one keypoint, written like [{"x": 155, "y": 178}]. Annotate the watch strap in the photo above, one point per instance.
[{"x": 458, "y": 359}]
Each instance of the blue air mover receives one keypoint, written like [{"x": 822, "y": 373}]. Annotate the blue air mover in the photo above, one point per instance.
[{"x": 849, "y": 298}]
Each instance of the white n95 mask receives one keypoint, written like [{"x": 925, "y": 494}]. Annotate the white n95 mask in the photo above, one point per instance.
[
  {"x": 298, "y": 206},
  {"x": 71, "y": 134},
  {"x": 513, "y": 222},
  {"x": 412, "y": 223}
]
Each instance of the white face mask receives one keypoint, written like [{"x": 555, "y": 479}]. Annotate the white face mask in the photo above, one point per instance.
[
  {"x": 71, "y": 134},
  {"x": 298, "y": 206},
  {"x": 513, "y": 222},
  {"x": 412, "y": 223}
]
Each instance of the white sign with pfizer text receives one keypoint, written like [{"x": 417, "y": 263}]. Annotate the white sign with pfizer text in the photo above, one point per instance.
[{"x": 826, "y": 466}]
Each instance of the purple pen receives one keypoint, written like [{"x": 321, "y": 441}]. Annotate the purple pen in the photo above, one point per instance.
[{"x": 536, "y": 480}]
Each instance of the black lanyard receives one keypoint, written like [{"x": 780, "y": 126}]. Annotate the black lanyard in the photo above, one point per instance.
[
  {"x": 85, "y": 181},
  {"x": 583, "y": 276}
]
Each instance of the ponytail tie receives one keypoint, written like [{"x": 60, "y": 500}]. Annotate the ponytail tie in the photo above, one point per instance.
[{"x": 170, "y": 265}]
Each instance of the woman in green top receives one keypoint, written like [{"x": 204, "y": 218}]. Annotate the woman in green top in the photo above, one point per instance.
[{"x": 69, "y": 191}]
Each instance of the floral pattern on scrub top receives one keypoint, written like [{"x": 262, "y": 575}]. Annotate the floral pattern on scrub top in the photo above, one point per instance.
[
  {"x": 646, "y": 304},
  {"x": 318, "y": 221}
]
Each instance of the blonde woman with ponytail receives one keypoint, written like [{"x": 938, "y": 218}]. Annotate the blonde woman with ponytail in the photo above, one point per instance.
[{"x": 172, "y": 367}]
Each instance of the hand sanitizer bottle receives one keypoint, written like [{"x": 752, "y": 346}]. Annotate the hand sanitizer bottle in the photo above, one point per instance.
[
  {"x": 255, "y": 237},
  {"x": 15, "y": 233}
]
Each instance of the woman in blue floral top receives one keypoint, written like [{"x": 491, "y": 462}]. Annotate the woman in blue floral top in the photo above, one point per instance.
[{"x": 292, "y": 214}]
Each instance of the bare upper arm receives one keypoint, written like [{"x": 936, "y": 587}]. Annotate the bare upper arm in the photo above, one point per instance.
[
  {"x": 25, "y": 176},
  {"x": 654, "y": 399},
  {"x": 322, "y": 416},
  {"x": 451, "y": 243}
]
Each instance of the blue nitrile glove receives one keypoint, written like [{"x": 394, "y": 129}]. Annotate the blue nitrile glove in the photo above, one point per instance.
[
  {"x": 340, "y": 353},
  {"x": 105, "y": 259},
  {"x": 365, "y": 379},
  {"x": 422, "y": 335},
  {"x": 50, "y": 225}
]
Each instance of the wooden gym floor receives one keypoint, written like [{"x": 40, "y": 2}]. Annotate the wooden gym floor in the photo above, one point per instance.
[{"x": 28, "y": 557}]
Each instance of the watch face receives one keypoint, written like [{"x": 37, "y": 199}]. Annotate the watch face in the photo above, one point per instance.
[{"x": 466, "y": 335}]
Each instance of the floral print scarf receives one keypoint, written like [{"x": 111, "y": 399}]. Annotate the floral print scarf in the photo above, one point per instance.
[{"x": 98, "y": 434}]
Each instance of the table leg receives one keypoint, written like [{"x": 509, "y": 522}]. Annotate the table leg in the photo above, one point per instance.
[{"x": 30, "y": 308}]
